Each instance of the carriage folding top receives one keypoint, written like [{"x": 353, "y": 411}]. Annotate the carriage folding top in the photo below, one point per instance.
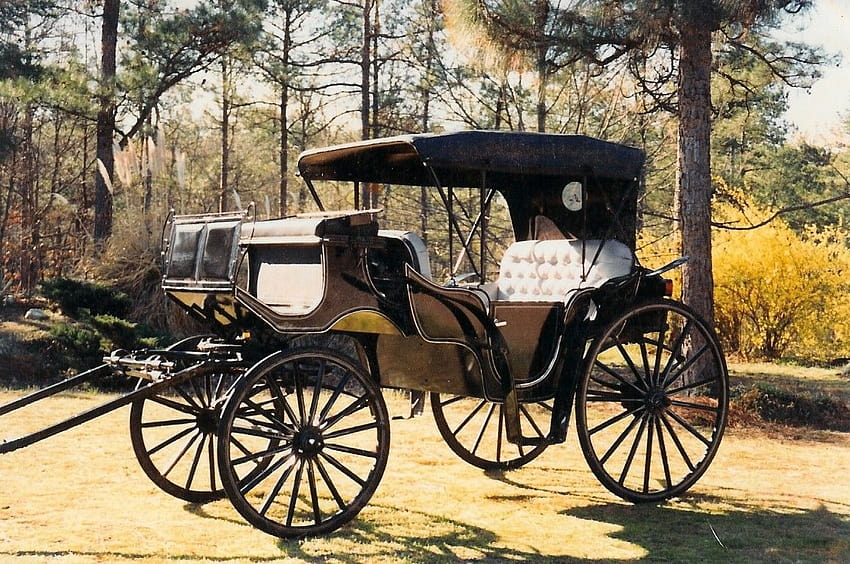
[{"x": 312, "y": 315}]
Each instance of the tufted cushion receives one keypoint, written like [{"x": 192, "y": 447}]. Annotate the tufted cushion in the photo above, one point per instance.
[{"x": 545, "y": 271}]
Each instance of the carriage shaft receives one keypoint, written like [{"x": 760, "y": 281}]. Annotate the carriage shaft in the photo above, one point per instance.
[{"x": 142, "y": 392}]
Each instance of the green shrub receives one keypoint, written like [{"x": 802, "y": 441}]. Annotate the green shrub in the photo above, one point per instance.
[
  {"x": 124, "y": 334},
  {"x": 80, "y": 341},
  {"x": 76, "y": 298}
]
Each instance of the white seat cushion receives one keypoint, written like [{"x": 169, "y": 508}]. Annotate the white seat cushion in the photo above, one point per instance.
[{"x": 546, "y": 271}]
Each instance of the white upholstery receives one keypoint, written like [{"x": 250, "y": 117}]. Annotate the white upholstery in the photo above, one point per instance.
[{"x": 546, "y": 271}]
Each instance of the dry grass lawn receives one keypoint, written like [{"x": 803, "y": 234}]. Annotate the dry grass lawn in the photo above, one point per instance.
[{"x": 770, "y": 496}]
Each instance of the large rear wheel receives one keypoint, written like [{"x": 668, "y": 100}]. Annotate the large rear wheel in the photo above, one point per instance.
[
  {"x": 652, "y": 403},
  {"x": 303, "y": 442}
]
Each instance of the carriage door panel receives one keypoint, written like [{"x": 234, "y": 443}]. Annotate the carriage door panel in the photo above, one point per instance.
[{"x": 531, "y": 331}]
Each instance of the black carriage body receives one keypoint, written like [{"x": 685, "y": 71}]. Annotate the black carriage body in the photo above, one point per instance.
[{"x": 338, "y": 272}]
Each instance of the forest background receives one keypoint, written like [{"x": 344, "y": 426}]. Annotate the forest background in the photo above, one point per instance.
[{"x": 209, "y": 104}]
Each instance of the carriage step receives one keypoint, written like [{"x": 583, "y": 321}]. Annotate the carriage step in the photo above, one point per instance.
[{"x": 533, "y": 441}]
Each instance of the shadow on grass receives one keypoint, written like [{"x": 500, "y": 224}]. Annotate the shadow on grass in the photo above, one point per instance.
[
  {"x": 692, "y": 528},
  {"x": 685, "y": 532},
  {"x": 682, "y": 531}
]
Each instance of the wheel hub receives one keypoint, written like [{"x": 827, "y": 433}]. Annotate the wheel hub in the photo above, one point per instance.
[
  {"x": 308, "y": 441},
  {"x": 657, "y": 400},
  {"x": 207, "y": 420}
]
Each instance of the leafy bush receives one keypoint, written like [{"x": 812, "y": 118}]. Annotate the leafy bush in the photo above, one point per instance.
[
  {"x": 123, "y": 334},
  {"x": 80, "y": 341},
  {"x": 781, "y": 295},
  {"x": 76, "y": 298}
]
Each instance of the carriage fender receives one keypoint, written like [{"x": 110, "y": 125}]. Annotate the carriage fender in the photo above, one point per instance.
[{"x": 366, "y": 321}]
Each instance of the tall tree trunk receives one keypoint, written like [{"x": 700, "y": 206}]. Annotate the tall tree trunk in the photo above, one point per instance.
[
  {"x": 284, "y": 149},
  {"x": 430, "y": 50},
  {"x": 223, "y": 178},
  {"x": 284, "y": 122},
  {"x": 106, "y": 124},
  {"x": 541, "y": 17},
  {"x": 365, "y": 83},
  {"x": 693, "y": 197},
  {"x": 29, "y": 257}
]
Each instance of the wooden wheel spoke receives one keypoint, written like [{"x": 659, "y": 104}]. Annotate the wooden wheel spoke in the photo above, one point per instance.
[
  {"x": 647, "y": 461},
  {"x": 196, "y": 460},
  {"x": 351, "y": 430},
  {"x": 293, "y": 496},
  {"x": 352, "y": 408},
  {"x": 632, "y": 451},
  {"x": 317, "y": 392},
  {"x": 614, "y": 374},
  {"x": 180, "y": 454},
  {"x": 175, "y": 405},
  {"x": 680, "y": 369},
  {"x": 692, "y": 386},
  {"x": 278, "y": 401},
  {"x": 619, "y": 440},
  {"x": 168, "y": 423},
  {"x": 314, "y": 494},
  {"x": 617, "y": 418},
  {"x": 675, "y": 352},
  {"x": 260, "y": 476},
  {"x": 340, "y": 502},
  {"x": 342, "y": 468},
  {"x": 662, "y": 447},
  {"x": 679, "y": 446},
  {"x": 469, "y": 417},
  {"x": 524, "y": 411},
  {"x": 188, "y": 397},
  {"x": 693, "y": 405},
  {"x": 171, "y": 440},
  {"x": 338, "y": 389},
  {"x": 351, "y": 450},
  {"x": 270, "y": 497},
  {"x": 690, "y": 428},
  {"x": 260, "y": 454},
  {"x": 480, "y": 436},
  {"x": 635, "y": 370}
]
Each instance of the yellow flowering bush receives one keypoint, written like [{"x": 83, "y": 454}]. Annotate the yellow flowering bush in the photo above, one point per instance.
[{"x": 780, "y": 294}]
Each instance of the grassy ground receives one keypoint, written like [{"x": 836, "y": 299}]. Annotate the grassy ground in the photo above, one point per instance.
[{"x": 771, "y": 495}]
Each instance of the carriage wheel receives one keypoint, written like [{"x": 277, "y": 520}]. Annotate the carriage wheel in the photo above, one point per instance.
[
  {"x": 652, "y": 403},
  {"x": 316, "y": 425},
  {"x": 475, "y": 430},
  {"x": 174, "y": 435}
]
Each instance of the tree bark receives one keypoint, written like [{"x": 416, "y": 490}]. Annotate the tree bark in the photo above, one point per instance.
[
  {"x": 106, "y": 124},
  {"x": 693, "y": 195},
  {"x": 284, "y": 122},
  {"x": 365, "y": 88},
  {"x": 224, "y": 176}
]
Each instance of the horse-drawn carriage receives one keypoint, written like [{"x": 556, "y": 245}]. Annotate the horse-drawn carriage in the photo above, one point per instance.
[{"x": 311, "y": 317}]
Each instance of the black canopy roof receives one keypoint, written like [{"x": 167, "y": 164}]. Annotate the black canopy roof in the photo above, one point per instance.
[
  {"x": 459, "y": 158},
  {"x": 529, "y": 169}
]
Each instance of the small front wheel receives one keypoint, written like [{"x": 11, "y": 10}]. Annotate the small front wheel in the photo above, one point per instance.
[
  {"x": 475, "y": 430},
  {"x": 652, "y": 402},
  {"x": 174, "y": 431},
  {"x": 303, "y": 442}
]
